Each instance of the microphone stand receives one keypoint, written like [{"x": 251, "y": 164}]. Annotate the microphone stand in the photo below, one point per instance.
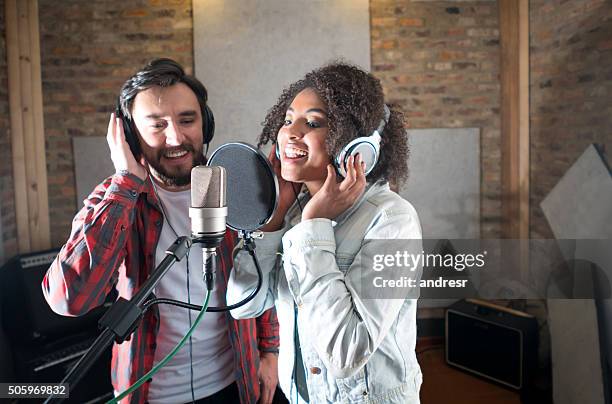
[{"x": 123, "y": 316}]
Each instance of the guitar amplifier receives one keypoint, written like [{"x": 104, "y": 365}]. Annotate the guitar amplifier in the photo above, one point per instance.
[{"x": 492, "y": 341}]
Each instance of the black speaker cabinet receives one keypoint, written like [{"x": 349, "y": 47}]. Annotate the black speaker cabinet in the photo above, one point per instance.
[
  {"x": 44, "y": 346},
  {"x": 492, "y": 341}
]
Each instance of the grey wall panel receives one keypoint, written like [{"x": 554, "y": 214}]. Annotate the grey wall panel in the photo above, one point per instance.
[
  {"x": 444, "y": 185},
  {"x": 246, "y": 52},
  {"x": 444, "y": 181},
  {"x": 580, "y": 207},
  {"x": 92, "y": 164}
]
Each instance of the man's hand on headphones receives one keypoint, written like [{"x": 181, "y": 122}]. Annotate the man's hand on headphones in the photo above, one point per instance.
[
  {"x": 122, "y": 156},
  {"x": 336, "y": 197}
]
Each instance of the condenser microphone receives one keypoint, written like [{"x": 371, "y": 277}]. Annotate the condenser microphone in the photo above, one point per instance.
[{"x": 208, "y": 212}]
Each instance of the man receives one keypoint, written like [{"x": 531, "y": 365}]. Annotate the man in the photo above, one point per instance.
[{"x": 121, "y": 235}]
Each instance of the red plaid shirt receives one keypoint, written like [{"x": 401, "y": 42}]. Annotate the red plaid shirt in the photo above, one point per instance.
[{"x": 112, "y": 244}]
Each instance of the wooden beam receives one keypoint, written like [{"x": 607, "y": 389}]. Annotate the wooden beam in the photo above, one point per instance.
[
  {"x": 514, "y": 74},
  {"x": 27, "y": 128},
  {"x": 39, "y": 224},
  {"x": 17, "y": 146},
  {"x": 524, "y": 105}
]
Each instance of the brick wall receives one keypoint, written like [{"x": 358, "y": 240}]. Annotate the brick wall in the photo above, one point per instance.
[
  {"x": 7, "y": 202},
  {"x": 88, "y": 49},
  {"x": 571, "y": 90},
  {"x": 440, "y": 61}
]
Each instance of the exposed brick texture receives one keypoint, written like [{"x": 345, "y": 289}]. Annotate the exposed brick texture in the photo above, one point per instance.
[
  {"x": 571, "y": 91},
  {"x": 88, "y": 49},
  {"x": 440, "y": 61}
]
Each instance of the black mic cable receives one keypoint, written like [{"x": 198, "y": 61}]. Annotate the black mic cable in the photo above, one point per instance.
[{"x": 249, "y": 245}]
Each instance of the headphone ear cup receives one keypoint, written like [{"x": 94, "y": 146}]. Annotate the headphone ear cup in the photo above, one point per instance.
[
  {"x": 364, "y": 146},
  {"x": 130, "y": 135},
  {"x": 368, "y": 147},
  {"x": 208, "y": 124}
]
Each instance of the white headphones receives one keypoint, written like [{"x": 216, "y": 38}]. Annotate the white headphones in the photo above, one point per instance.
[{"x": 368, "y": 148}]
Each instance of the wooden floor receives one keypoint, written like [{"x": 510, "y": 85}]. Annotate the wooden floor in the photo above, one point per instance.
[{"x": 443, "y": 384}]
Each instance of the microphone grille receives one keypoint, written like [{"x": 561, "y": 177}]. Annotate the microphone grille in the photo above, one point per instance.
[{"x": 208, "y": 185}]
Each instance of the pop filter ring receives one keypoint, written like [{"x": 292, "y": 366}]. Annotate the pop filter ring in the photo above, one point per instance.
[{"x": 266, "y": 167}]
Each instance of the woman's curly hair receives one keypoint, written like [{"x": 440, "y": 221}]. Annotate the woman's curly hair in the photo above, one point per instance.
[{"x": 354, "y": 100}]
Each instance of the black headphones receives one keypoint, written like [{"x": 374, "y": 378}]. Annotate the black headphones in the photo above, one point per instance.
[
  {"x": 368, "y": 148},
  {"x": 129, "y": 128}
]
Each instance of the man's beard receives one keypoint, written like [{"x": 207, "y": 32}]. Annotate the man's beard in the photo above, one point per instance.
[{"x": 176, "y": 179}]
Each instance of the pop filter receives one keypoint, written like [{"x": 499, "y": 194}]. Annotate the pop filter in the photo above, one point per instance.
[{"x": 252, "y": 187}]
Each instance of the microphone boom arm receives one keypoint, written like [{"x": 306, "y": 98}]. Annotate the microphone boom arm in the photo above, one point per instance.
[{"x": 123, "y": 316}]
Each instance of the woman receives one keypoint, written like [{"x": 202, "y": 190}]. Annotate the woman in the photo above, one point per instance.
[{"x": 338, "y": 344}]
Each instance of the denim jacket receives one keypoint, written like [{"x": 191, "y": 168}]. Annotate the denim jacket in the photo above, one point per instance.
[{"x": 354, "y": 349}]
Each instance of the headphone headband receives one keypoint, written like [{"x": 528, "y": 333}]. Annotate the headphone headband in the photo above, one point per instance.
[{"x": 383, "y": 121}]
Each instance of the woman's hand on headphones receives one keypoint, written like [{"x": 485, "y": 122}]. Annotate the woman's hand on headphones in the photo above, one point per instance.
[
  {"x": 122, "y": 156},
  {"x": 336, "y": 197},
  {"x": 287, "y": 191}
]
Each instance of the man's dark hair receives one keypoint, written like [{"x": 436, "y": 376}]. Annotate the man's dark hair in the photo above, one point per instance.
[
  {"x": 355, "y": 106},
  {"x": 161, "y": 72}
]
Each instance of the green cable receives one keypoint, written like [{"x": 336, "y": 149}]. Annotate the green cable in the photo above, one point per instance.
[{"x": 167, "y": 358}]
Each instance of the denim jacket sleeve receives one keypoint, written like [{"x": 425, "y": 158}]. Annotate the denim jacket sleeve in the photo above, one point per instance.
[
  {"x": 348, "y": 327},
  {"x": 243, "y": 278}
]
